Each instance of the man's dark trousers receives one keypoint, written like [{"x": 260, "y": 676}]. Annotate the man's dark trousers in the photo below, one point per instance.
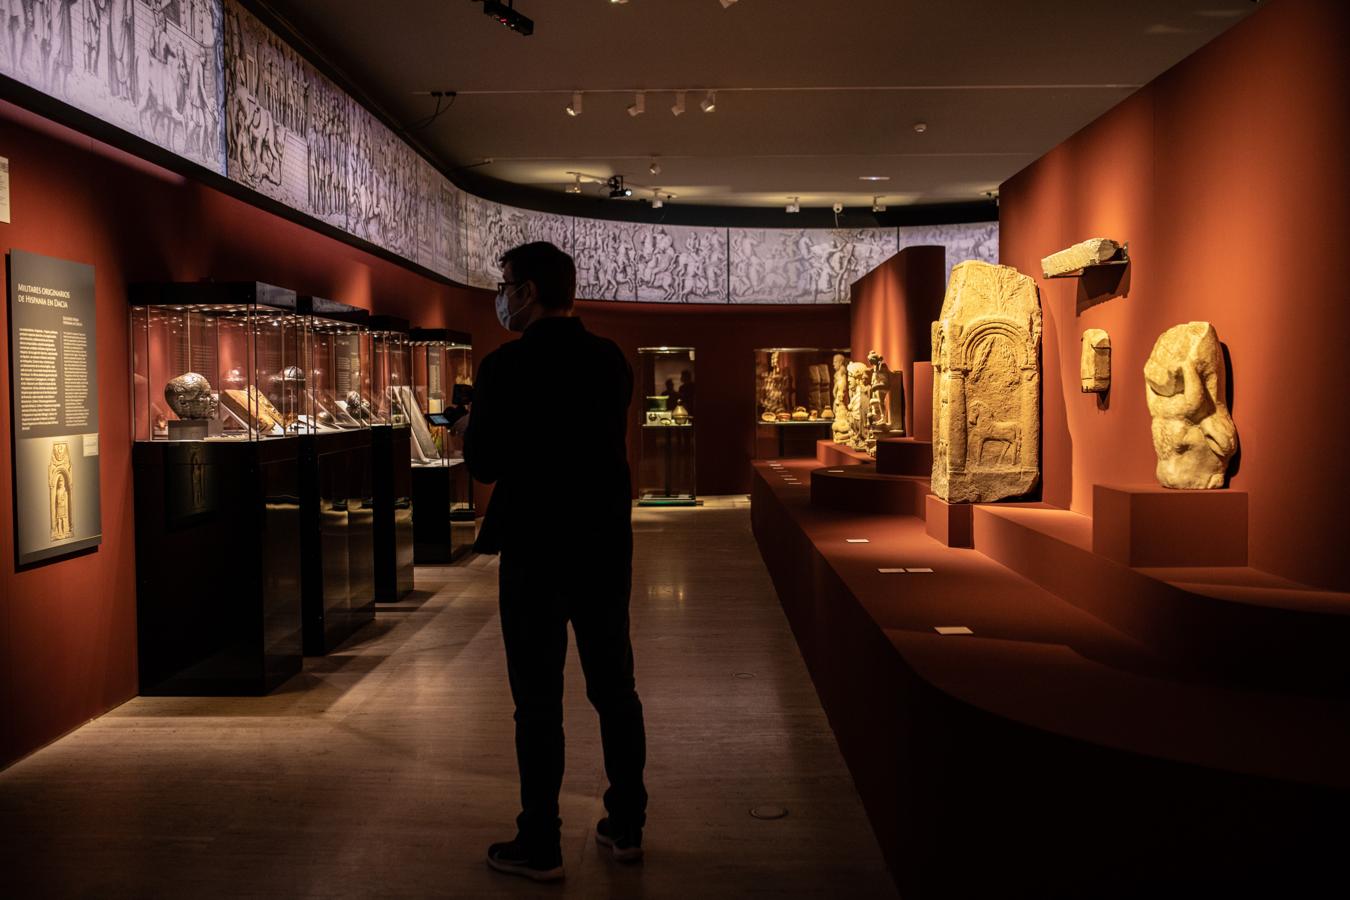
[{"x": 539, "y": 594}]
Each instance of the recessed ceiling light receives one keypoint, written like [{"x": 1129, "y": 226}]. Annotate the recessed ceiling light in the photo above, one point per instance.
[
  {"x": 920, "y": 127},
  {"x": 574, "y": 108},
  {"x": 727, "y": 4},
  {"x": 874, "y": 178}
]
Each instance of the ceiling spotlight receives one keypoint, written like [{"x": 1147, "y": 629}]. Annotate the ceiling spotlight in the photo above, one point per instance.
[
  {"x": 639, "y": 105},
  {"x": 678, "y": 108},
  {"x": 657, "y": 202},
  {"x": 877, "y": 205},
  {"x": 654, "y": 168},
  {"x": 574, "y": 108},
  {"x": 727, "y": 4},
  {"x": 874, "y": 178},
  {"x": 506, "y": 14},
  {"x": 920, "y": 127},
  {"x": 618, "y": 2},
  {"x": 709, "y": 102},
  {"x": 793, "y": 206},
  {"x": 617, "y": 188},
  {"x": 574, "y": 187}
]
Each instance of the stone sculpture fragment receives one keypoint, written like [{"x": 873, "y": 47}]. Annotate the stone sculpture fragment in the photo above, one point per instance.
[
  {"x": 986, "y": 385},
  {"x": 189, "y": 396},
  {"x": 1094, "y": 362},
  {"x": 1185, "y": 385},
  {"x": 1092, "y": 252}
]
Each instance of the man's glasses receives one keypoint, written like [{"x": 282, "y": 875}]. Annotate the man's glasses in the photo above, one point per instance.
[{"x": 503, "y": 285}]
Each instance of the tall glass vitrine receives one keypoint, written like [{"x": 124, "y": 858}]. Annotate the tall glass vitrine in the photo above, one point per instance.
[
  {"x": 794, "y": 399},
  {"x": 666, "y": 465},
  {"x": 391, "y": 457},
  {"x": 438, "y": 403},
  {"x": 216, "y": 418}
]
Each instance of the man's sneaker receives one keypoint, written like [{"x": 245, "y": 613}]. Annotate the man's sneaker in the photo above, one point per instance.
[
  {"x": 513, "y": 859},
  {"x": 624, "y": 843}
]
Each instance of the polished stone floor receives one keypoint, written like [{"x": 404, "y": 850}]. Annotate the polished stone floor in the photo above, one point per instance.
[{"x": 387, "y": 768}]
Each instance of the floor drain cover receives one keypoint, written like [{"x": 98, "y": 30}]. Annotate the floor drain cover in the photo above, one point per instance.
[
  {"x": 744, "y": 675},
  {"x": 768, "y": 812}
]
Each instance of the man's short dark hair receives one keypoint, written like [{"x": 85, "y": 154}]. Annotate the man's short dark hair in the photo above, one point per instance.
[{"x": 553, "y": 272}]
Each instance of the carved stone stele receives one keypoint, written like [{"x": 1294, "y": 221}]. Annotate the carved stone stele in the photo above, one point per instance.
[
  {"x": 1185, "y": 385},
  {"x": 1092, "y": 252},
  {"x": 1094, "y": 364},
  {"x": 987, "y": 385}
]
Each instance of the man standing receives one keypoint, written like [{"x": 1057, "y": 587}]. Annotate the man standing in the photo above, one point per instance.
[{"x": 549, "y": 427}]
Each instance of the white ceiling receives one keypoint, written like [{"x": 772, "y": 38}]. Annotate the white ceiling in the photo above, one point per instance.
[{"x": 812, "y": 93}]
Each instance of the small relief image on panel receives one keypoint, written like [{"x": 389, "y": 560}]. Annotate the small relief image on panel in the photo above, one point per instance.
[
  {"x": 607, "y": 259},
  {"x": 493, "y": 229},
  {"x": 150, "y": 67},
  {"x": 678, "y": 264}
]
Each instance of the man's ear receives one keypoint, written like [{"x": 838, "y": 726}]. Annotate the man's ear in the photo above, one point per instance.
[{"x": 529, "y": 291}]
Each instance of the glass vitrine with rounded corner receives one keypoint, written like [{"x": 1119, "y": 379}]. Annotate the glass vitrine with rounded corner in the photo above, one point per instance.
[
  {"x": 794, "y": 399},
  {"x": 666, "y": 464}
]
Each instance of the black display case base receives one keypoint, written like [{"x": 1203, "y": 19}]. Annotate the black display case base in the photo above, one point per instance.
[
  {"x": 443, "y": 515},
  {"x": 217, "y": 566},
  {"x": 391, "y": 460}
]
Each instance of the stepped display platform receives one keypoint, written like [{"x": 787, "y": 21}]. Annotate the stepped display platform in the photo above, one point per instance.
[
  {"x": 829, "y": 453},
  {"x": 1033, "y": 741}
]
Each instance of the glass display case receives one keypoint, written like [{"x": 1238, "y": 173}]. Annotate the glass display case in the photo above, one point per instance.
[
  {"x": 437, "y": 404},
  {"x": 337, "y": 549},
  {"x": 666, "y": 475},
  {"x": 338, "y": 383},
  {"x": 794, "y": 399},
  {"x": 216, "y": 362},
  {"x": 216, "y": 412},
  {"x": 391, "y": 458}
]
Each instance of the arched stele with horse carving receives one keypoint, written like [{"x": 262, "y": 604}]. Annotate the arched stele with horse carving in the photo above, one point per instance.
[{"x": 986, "y": 385}]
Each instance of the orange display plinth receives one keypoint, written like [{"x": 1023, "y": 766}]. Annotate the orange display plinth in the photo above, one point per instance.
[
  {"x": 862, "y": 489},
  {"x": 1147, "y": 525},
  {"x": 828, "y": 453},
  {"x": 949, "y": 523},
  {"x": 905, "y": 456}
]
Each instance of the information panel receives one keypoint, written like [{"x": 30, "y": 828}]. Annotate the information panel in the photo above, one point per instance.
[{"x": 53, "y": 407}]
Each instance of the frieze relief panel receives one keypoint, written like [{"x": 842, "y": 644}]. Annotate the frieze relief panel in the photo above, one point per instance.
[
  {"x": 150, "y": 67},
  {"x": 607, "y": 259},
  {"x": 971, "y": 240},
  {"x": 493, "y": 229},
  {"x": 680, "y": 264},
  {"x": 286, "y": 125},
  {"x": 800, "y": 265}
]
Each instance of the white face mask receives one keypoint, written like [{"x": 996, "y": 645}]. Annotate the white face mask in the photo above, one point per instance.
[{"x": 505, "y": 314}]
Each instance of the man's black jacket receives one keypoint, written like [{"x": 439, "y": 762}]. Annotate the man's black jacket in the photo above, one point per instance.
[{"x": 549, "y": 429}]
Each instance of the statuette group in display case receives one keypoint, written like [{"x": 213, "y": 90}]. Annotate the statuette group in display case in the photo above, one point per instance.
[
  {"x": 986, "y": 385},
  {"x": 1193, "y": 433},
  {"x": 1094, "y": 364}
]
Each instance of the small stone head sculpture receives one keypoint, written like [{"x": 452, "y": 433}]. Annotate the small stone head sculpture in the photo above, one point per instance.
[
  {"x": 189, "y": 396},
  {"x": 1193, "y": 433}
]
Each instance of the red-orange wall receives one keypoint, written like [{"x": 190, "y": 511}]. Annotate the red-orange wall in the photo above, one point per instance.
[
  {"x": 67, "y": 630},
  {"x": 894, "y": 307},
  {"x": 1226, "y": 175}
]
